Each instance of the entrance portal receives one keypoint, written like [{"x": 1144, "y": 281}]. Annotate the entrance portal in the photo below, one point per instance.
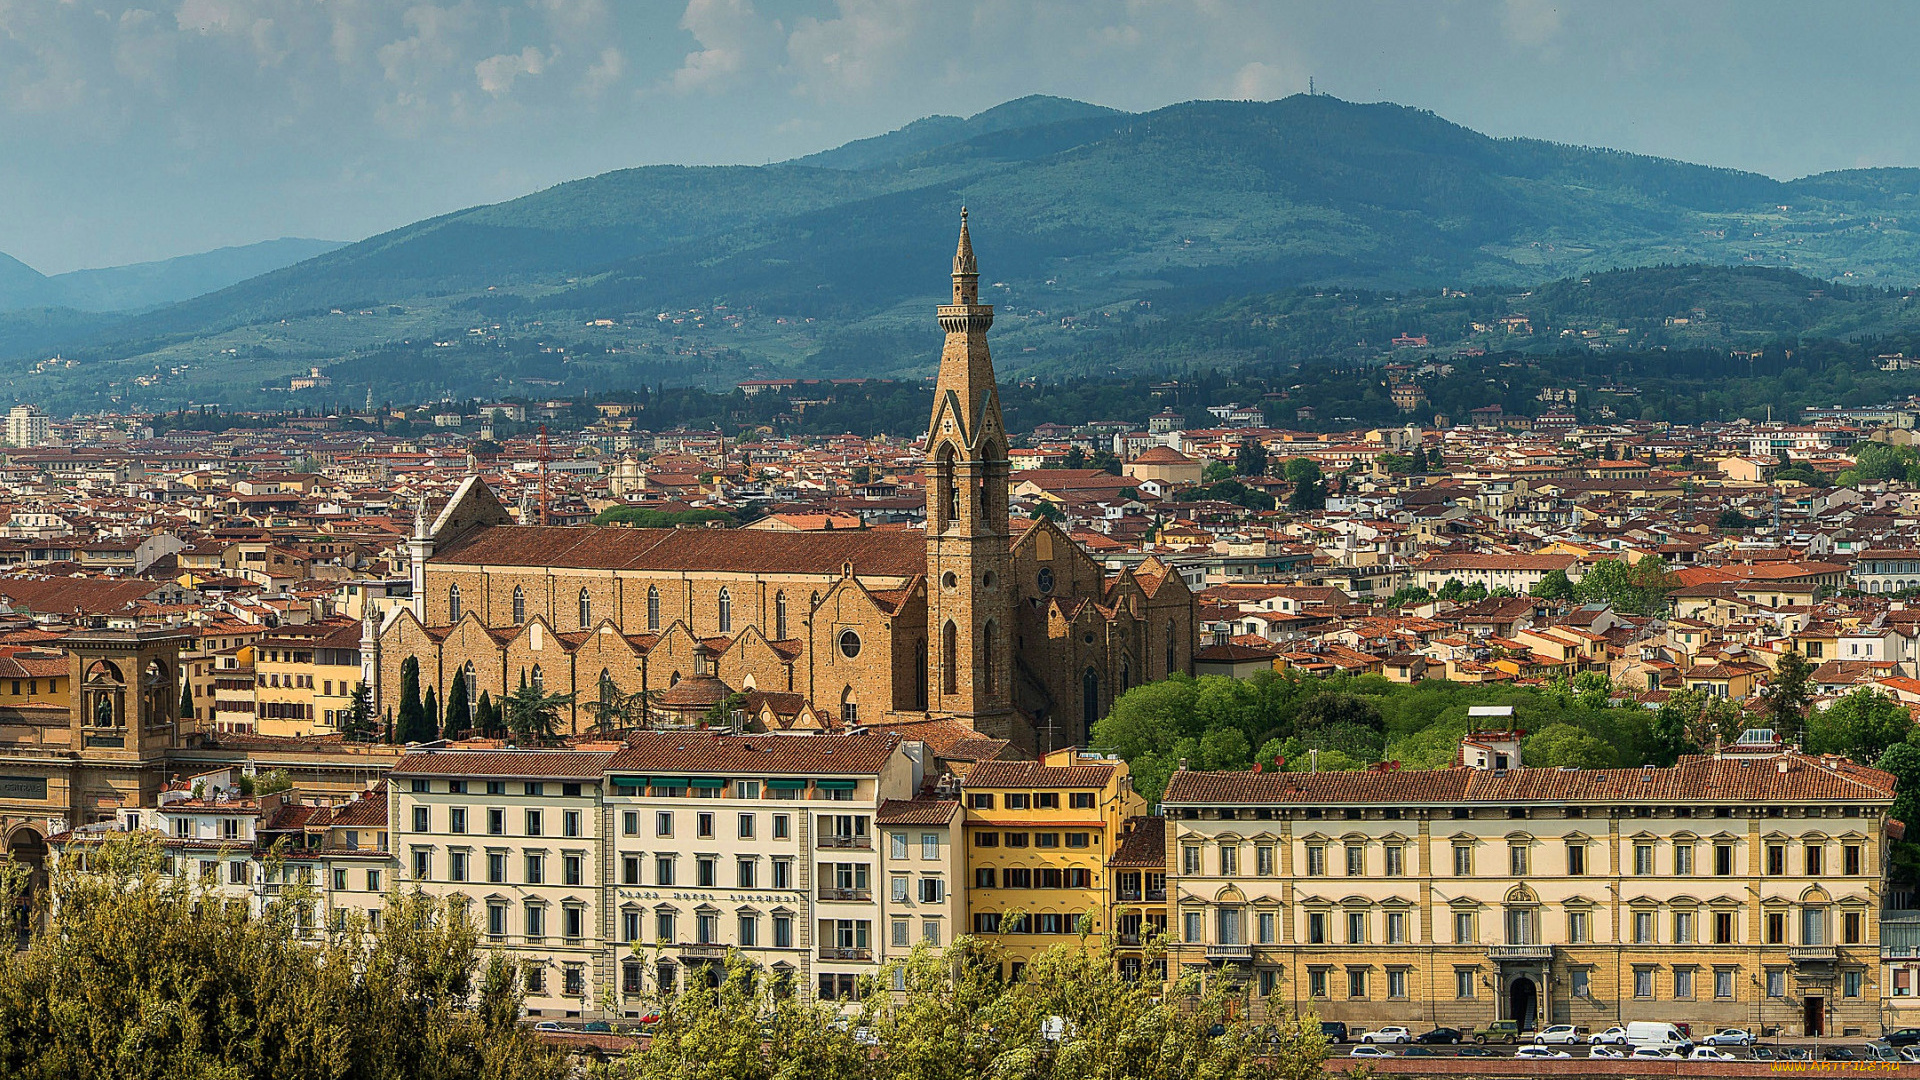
[
  {"x": 1816, "y": 1016},
  {"x": 1524, "y": 1003}
]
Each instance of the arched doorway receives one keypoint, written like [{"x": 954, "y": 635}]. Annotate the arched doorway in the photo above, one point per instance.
[
  {"x": 1524, "y": 1003},
  {"x": 30, "y": 849}
]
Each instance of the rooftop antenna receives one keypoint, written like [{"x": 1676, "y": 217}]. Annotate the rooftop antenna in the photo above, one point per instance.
[
  {"x": 1309, "y": 86},
  {"x": 543, "y": 474}
]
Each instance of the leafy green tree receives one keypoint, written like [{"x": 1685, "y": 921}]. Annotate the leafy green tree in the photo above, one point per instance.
[
  {"x": 1863, "y": 725},
  {"x": 1640, "y": 589},
  {"x": 1047, "y": 510},
  {"x": 1689, "y": 721},
  {"x": 532, "y": 713},
  {"x": 459, "y": 714},
  {"x": 1734, "y": 520},
  {"x": 950, "y": 1016},
  {"x": 1309, "y": 486},
  {"x": 1408, "y": 594},
  {"x": 1420, "y": 459},
  {"x": 1553, "y": 585},
  {"x": 1788, "y": 693},
  {"x": 1251, "y": 458},
  {"x": 1217, "y": 472},
  {"x": 1902, "y": 759},
  {"x": 1076, "y": 458},
  {"x": 1106, "y": 461},
  {"x": 360, "y": 725},
  {"x": 143, "y": 974},
  {"x": 1558, "y": 745}
]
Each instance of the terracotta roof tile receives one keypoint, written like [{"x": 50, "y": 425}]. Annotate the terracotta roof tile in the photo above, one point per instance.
[
  {"x": 557, "y": 764},
  {"x": 1144, "y": 847},
  {"x": 648, "y": 752},
  {"x": 998, "y": 774},
  {"x": 917, "y": 812},
  {"x": 876, "y": 553}
]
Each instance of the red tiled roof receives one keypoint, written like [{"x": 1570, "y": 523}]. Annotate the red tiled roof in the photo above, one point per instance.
[
  {"x": 1694, "y": 779},
  {"x": 917, "y": 812},
  {"x": 567, "y": 764},
  {"x": 1032, "y": 774},
  {"x": 872, "y": 552},
  {"x": 648, "y": 752},
  {"x": 1145, "y": 846}
]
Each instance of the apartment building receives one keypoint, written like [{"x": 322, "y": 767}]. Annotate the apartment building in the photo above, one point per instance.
[
  {"x": 1137, "y": 871},
  {"x": 305, "y": 677},
  {"x": 765, "y": 844},
  {"x": 925, "y": 900},
  {"x": 1739, "y": 888},
  {"x": 1039, "y": 836},
  {"x": 517, "y": 837}
]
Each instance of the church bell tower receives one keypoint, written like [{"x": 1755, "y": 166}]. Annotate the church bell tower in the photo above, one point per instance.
[{"x": 969, "y": 599}]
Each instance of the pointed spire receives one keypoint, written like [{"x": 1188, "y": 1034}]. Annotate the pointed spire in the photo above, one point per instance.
[{"x": 963, "y": 255}]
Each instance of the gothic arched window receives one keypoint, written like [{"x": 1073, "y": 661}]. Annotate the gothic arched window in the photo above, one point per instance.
[
  {"x": 726, "y": 610},
  {"x": 948, "y": 489},
  {"x": 537, "y": 680},
  {"x": 453, "y": 603},
  {"x": 988, "y": 642},
  {"x": 653, "y": 607},
  {"x": 586, "y": 609},
  {"x": 779, "y": 616},
  {"x": 519, "y": 605},
  {"x": 1172, "y": 651},
  {"x": 949, "y": 658}
]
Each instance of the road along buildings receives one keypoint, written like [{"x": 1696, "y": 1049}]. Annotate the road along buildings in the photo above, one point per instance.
[{"x": 1738, "y": 888}]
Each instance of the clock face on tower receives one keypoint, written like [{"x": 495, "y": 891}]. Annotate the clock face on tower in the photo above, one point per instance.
[{"x": 1046, "y": 580}]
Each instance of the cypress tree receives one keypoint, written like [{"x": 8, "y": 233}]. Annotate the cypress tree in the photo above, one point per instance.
[
  {"x": 486, "y": 716},
  {"x": 459, "y": 714},
  {"x": 432, "y": 719},
  {"x": 186, "y": 700},
  {"x": 413, "y": 716}
]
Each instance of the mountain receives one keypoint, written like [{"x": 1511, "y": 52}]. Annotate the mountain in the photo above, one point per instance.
[
  {"x": 139, "y": 286},
  {"x": 1084, "y": 219}
]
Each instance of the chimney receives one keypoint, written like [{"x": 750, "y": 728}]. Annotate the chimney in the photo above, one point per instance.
[{"x": 1314, "y": 756}]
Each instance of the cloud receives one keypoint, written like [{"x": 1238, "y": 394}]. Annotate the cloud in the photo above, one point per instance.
[
  {"x": 869, "y": 42},
  {"x": 497, "y": 73},
  {"x": 1531, "y": 24},
  {"x": 1261, "y": 81},
  {"x": 734, "y": 42}
]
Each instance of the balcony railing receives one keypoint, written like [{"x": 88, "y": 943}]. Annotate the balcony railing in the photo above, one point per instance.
[
  {"x": 704, "y": 952},
  {"x": 835, "y": 952},
  {"x": 846, "y": 894},
  {"x": 1126, "y": 937},
  {"x": 857, "y": 843},
  {"x": 1157, "y": 894},
  {"x": 1519, "y": 952},
  {"x": 1230, "y": 952},
  {"x": 1812, "y": 954}
]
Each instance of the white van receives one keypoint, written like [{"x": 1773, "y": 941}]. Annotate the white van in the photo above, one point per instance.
[{"x": 1657, "y": 1036}]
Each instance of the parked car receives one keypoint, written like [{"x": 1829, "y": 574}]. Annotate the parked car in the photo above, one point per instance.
[
  {"x": 548, "y": 1025},
  {"x": 1602, "y": 1050},
  {"x": 1476, "y": 1051},
  {"x": 1794, "y": 1053},
  {"x": 1393, "y": 1033},
  {"x": 598, "y": 1027},
  {"x": 1654, "y": 1052},
  {"x": 1501, "y": 1031},
  {"x": 1560, "y": 1035},
  {"x": 1417, "y": 1050},
  {"x": 1910, "y": 1053},
  {"x": 1839, "y": 1053},
  {"x": 1658, "y": 1035},
  {"x": 1728, "y": 1037},
  {"x": 1878, "y": 1050},
  {"x": 1710, "y": 1053},
  {"x": 1540, "y": 1052},
  {"x": 1613, "y": 1036},
  {"x": 1334, "y": 1030},
  {"x": 1441, "y": 1035},
  {"x": 1903, "y": 1037},
  {"x": 1368, "y": 1050}
]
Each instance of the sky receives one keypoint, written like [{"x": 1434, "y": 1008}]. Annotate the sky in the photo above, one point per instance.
[{"x": 142, "y": 129}]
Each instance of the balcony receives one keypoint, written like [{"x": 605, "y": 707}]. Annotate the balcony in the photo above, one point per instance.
[
  {"x": 1134, "y": 895},
  {"x": 703, "y": 952},
  {"x": 1519, "y": 952},
  {"x": 1128, "y": 938},
  {"x": 832, "y": 952},
  {"x": 1812, "y": 954},
  {"x": 1231, "y": 953},
  {"x": 850, "y": 895},
  {"x": 850, "y": 843}
]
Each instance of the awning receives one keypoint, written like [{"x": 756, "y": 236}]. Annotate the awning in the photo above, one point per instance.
[
  {"x": 834, "y": 785},
  {"x": 707, "y": 782},
  {"x": 628, "y": 781},
  {"x": 787, "y": 785}
]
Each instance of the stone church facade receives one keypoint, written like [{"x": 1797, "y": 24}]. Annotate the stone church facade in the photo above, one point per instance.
[{"x": 1021, "y": 637}]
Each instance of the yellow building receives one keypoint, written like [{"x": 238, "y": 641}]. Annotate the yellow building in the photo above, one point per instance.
[
  {"x": 305, "y": 678},
  {"x": 1038, "y": 839}
]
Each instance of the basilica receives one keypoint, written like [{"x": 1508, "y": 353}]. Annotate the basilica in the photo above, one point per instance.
[{"x": 1019, "y": 637}]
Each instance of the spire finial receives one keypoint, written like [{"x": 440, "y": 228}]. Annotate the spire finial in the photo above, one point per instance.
[{"x": 963, "y": 255}]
